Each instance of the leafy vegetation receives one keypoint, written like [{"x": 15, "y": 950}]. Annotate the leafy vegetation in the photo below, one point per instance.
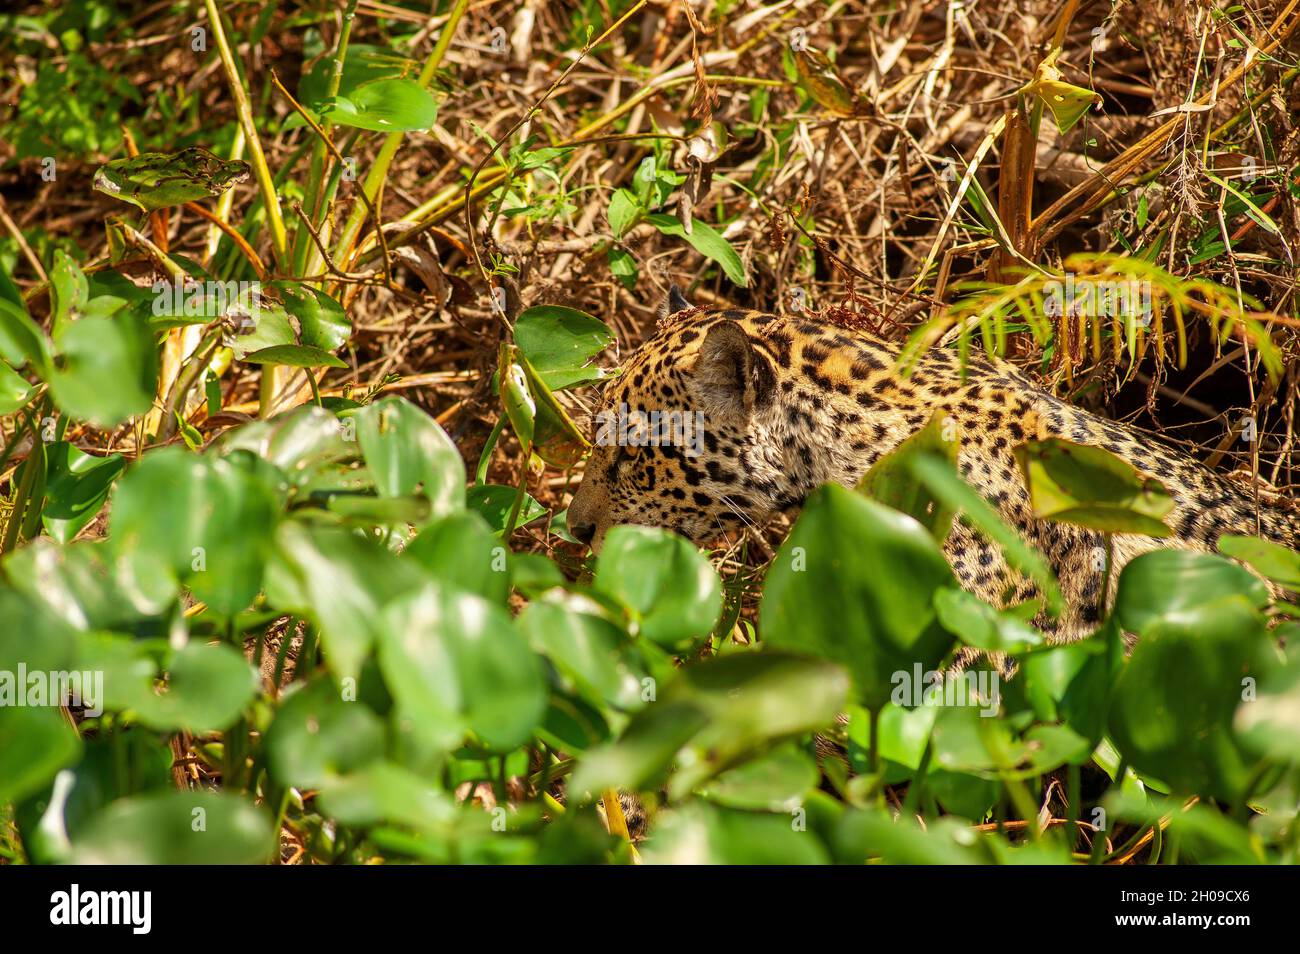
[{"x": 286, "y": 419}]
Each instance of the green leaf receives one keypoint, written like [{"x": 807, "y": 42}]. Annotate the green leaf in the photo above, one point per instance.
[
  {"x": 776, "y": 782},
  {"x": 15, "y": 392},
  {"x": 559, "y": 342},
  {"x": 21, "y": 340},
  {"x": 207, "y": 688},
  {"x": 624, "y": 210},
  {"x": 177, "y": 828},
  {"x": 702, "y": 834},
  {"x": 891, "y": 481},
  {"x": 1272, "y": 560},
  {"x": 76, "y": 486},
  {"x": 1174, "y": 703},
  {"x": 341, "y": 581},
  {"x": 593, "y": 654},
  {"x": 462, "y": 551},
  {"x": 673, "y": 594},
  {"x": 107, "y": 369},
  {"x": 207, "y": 520},
  {"x": 493, "y": 502},
  {"x": 69, "y": 290},
  {"x": 408, "y": 452},
  {"x": 35, "y": 742},
  {"x": 827, "y": 594},
  {"x": 977, "y": 624},
  {"x": 1091, "y": 487},
  {"x": 385, "y": 105},
  {"x": 943, "y": 481},
  {"x": 1170, "y": 583},
  {"x": 318, "y": 736},
  {"x": 455, "y": 664},
  {"x": 1269, "y": 722},
  {"x": 156, "y": 180},
  {"x": 322, "y": 322},
  {"x": 705, "y": 240},
  {"x": 537, "y": 417},
  {"x": 295, "y": 356}
]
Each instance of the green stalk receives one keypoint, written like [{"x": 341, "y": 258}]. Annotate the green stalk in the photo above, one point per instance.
[
  {"x": 265, "y": 182},
  {"x": 317, "y": 200},
  {"x": 379, "y": 171}
]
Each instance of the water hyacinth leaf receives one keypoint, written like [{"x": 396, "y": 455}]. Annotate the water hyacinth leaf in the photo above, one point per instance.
[
  {"x": 385, "y": 105},
  {"x": 776, "y": 782},
  {"x": 15, "y": 392},
  {"x": 1173, "y": 706},
  {"x": 1269, "y": 721},
  {"x": 707, "y": 241},
  {"x": 644, "y": 753},
  {"x": 270, "y": 327},
  {"x": 106, "y": 370},
  {"x": 494, "y": 502},
  {"x": 408, "y": 453},
  {"x": 825, "y": 594},
  {"x": 157, "y": 180},
  {"x": 177, "y": 828},
  {"x": 702, "y": 834},
  {"x": 76, "y": 486},
  {"x": 559, "y": 342},
  {"x": 1272, "y": 560},
  {"x": 69, "y": 290},
  {"x": 322, "y": 322},
  {"x": 1169, "y": 583},
  {"x": 386, "y": 792},
  {"x": 554, "y": 437},
  {"x": 22, "y": 341},
  {"x": 589, "y": 651},
  {"x": 318, "y": 736},
  {"x": 35, "y": 742},
  {"x": 209, "y": 520},
  {"x": 943, "y": 481},
  {"x": 892, "y": 482},
  {"x": 752, "y": 700},
  {"x": 43, "y": 643},
  {"x": 1091, "y": 487},
  {"x": 462, "y": 551},
  {"x": 89, "y": 584},
  {"x": 455, "y": 663},
  {"x": 672, "y": 591},
  {"x": 339, "y": 580},
  {"x": 208, "y": 686},
  {"x": 295, "y": 356},
  {"x": 977, "y": 624},
  {"x": 300, "y": 443}
]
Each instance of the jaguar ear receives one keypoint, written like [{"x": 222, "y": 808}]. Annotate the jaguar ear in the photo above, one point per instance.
[
  {"x": 674, "y": 303},
  {"x": 731, "y": 373}
]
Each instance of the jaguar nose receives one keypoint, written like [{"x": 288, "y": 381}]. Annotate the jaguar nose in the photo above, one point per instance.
[{"x": 581, "y": 530}]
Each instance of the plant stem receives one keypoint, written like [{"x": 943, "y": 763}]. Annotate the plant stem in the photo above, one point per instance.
[
  {"x": 379, "y": 171},
  {"x": 274, "y": 218}
]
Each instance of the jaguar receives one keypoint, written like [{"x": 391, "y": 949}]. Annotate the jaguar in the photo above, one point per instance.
[{"x": 788, "y": 403}]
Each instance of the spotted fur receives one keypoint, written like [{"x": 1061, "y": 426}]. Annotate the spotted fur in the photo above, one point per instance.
[{"x": 790, "y": 403}]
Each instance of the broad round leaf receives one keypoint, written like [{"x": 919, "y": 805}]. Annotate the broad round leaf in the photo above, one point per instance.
[
  {"x": 674, "y": 594},
  {"x": 455, "y": 663},
  {"x": 1166, "y": 583},
  {"x": 855, "y": 583},
  {"x": 177, "y": 828}
]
